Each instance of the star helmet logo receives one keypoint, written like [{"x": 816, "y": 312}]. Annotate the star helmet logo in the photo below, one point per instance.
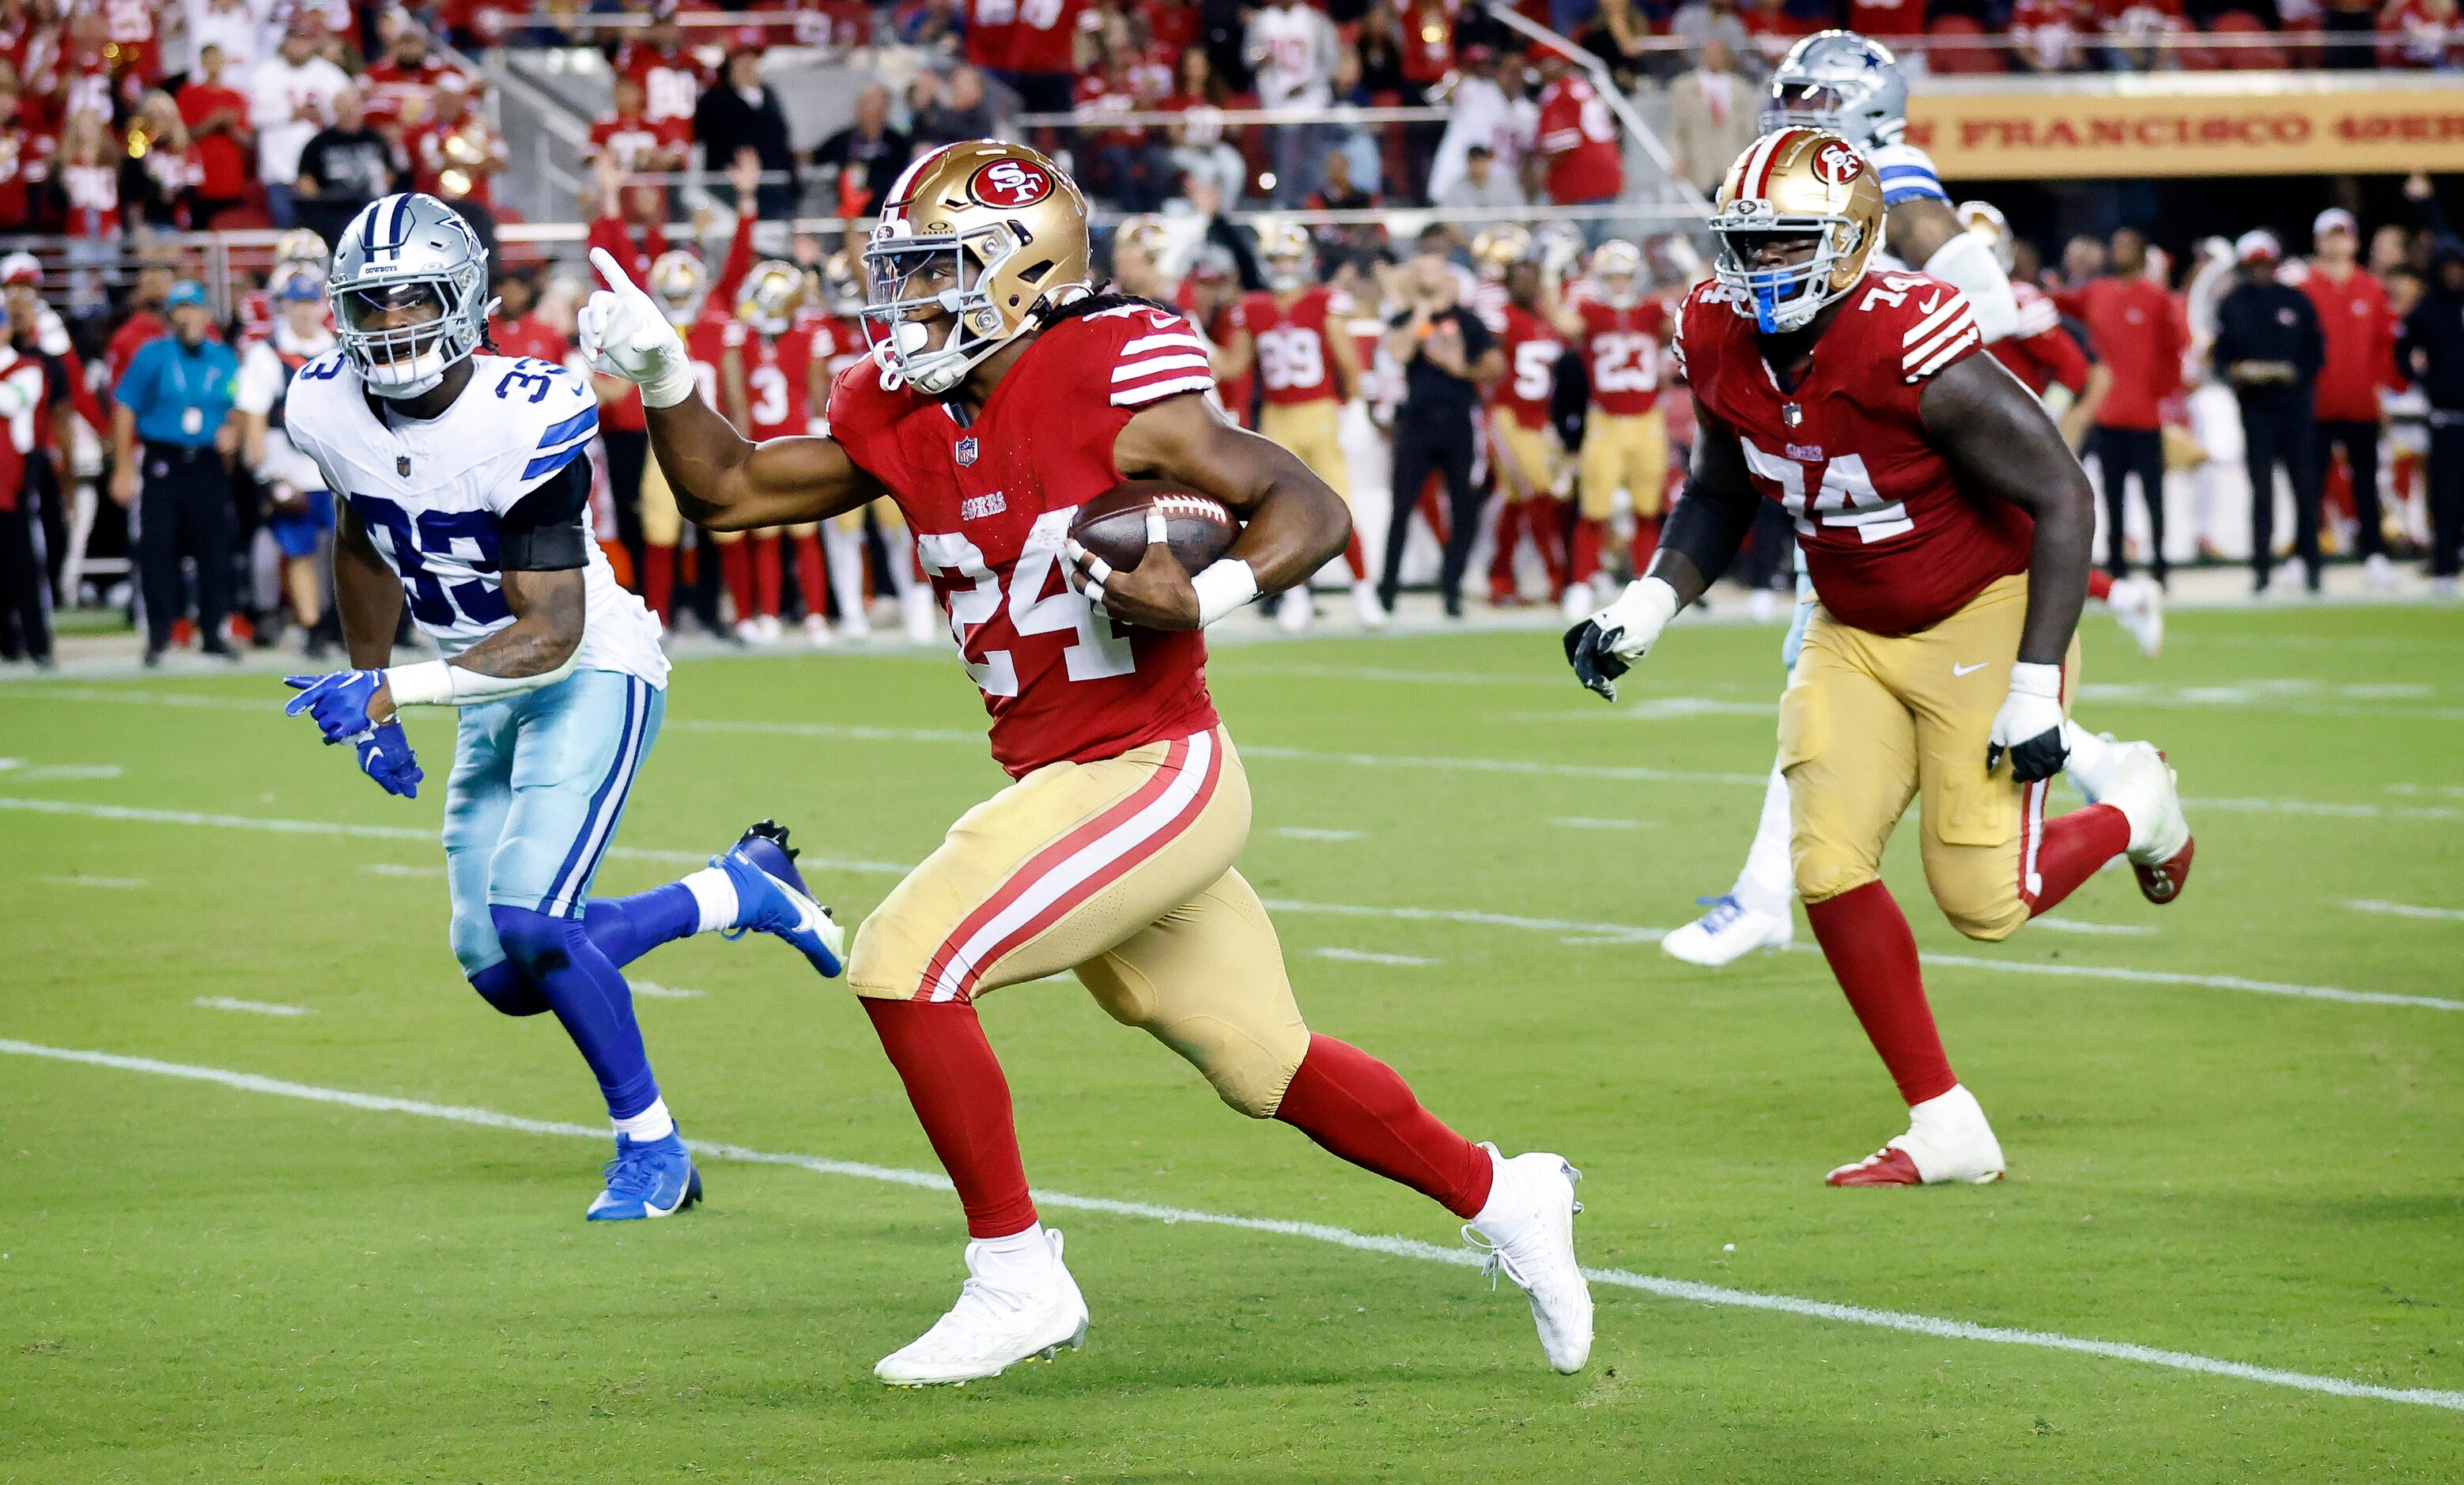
[
  {"x": 1010, "y": 184},
  {"x": 1835, "y": 164},
  {"x": 966, "y": 451}
]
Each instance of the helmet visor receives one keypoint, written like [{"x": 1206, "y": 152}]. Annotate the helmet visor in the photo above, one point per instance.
[
  {"x": 1802, "y": 105},
  {"x": 399, "y": 327}
]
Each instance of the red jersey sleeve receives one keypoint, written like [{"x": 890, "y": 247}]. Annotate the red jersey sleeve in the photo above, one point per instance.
[{"x": 1149, "y": 354}]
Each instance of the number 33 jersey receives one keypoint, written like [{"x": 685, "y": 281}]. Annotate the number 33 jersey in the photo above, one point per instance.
[
  {"x": 990, "y": 501},
  {"x": 1892, "y": 542},
  {"x": 436, "y": 495}
]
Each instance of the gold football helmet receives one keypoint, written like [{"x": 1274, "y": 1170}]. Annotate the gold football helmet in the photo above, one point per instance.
[
  {"x": 1616, "y": 267},
  {"x": 1794, "y": 189},
  {"x": 301, "y": 248},
  {"x": 768, "y": 298},
  {"x": 984, "y": 234},
  {"x": 842, "y": 285},
  {"x": 1286, "y": 255},
  {"x": 1496, "y": 248},
  {"x": 1986, "y": 220},
  {"x": 679, "y": 282}
]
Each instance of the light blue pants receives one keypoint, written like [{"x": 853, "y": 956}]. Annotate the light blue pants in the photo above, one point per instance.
[{"x": 539, "y": 782}]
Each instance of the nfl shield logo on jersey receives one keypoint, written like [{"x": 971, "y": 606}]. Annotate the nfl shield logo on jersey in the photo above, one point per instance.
[
  {"x": 966, "y": 451},
  {"x": 402, "y": 465}
]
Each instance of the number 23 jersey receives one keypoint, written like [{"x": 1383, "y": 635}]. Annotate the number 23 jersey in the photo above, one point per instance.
[
  {"x": 436, "y": 495},
  {"x": 1892, "y": 541},
  {"x": 990, "y": 502}
]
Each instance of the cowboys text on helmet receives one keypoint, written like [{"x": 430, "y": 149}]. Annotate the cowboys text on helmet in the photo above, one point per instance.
[{"x": 978, "y": 240}]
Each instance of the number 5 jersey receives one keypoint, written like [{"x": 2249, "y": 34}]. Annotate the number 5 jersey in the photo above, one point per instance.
[
  {"x": 436, "y": 495},
  {"x": 1892, "y": 542}
]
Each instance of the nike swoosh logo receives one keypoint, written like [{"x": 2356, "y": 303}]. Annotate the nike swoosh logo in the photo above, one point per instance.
[
  {"x": 1957, "y": 668},
  {"x": 1931, "y": 304}
]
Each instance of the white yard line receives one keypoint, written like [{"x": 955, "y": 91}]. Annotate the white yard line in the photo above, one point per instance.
[
  {"x": 1687, "y": 1290},
  {"x": 1369, "y": 956},
  {"x": 2061, "y": 924},
  {"x": 252, "y": 1006},
  {"x": 1594, "y": 822},
  {"x": 397, "y": 870},
  {"x": 1604, "y": 931},
  {"x": 2406, "y": 910},
  {"x": 113, "y": 884},
  {"x": 1314, "y": 833},
  {"x": 30, "y": 771}
]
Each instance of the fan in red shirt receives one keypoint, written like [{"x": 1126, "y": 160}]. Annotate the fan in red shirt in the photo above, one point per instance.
[
  {"x": 769, "y": 381},
  {"x": 219, "y": 134},
  {"x": 1523, "y": 437},
  {"x": 990, "y": 26},
  {"x": 1578, "y": 138},
  {"x": 628, "y": 134},
  {"x": 1428, "y": 50},
  {"x": 672, "y": 77},
  {"x": 25, "y": 165},
  {"x": 519, "y": 329},
  {"x": 458, "y": 153},
  {"x": 1895, "y": 21},
  {"x": 1043, "y": 65},
  {"x": 401, "y": 86},
  {"x": 2359, "y": 329},
  {"x": 2134, "y": 327}
]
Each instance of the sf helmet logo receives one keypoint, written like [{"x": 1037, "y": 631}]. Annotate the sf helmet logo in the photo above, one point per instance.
[
  {"x": 1010, "y": 184},
  {"x": 1837, "y": 164}
]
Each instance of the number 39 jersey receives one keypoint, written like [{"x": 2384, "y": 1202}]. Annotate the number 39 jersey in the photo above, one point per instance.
[
  {"x": 990, "y": 502},
  {"x": 433, "y": 496},
  {"x": 1293, "y": 364},
  {"x": 1892, "y": 542}
]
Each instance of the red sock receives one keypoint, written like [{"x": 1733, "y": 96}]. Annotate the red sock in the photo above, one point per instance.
[
  {"x": 812, "y": 573},
  {"x": 1866, "y": 938},
  {"x": 1647, "y": 541},
  {"x": 659, "y": 579},
  {"x": 962, "y": 1101},
  {"x": 2100, "y": 585},
  {"x": 736, "y": 569},
  {"x": 1509, "y": 536},
  {"x": 1356, "y": 558},
  {"x": 1360, "y": 1109},
  {"x": 765, "y": 572},
  {"x": 1547, "y": 526},
  {"x": 2069, "y": 851},
  {"x": 1587, "y": 549}
]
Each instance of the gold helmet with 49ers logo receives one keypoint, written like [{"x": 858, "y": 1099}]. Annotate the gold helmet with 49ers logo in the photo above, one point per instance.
[
  {"x": 1286, "y": 255},
  {"x": 1796, "y": 220},
  {"x": 978, "y": 240},
  {"x": 1496, "y": 248},
  {"x": 768, "y": 298},
  {"x": 678, "y": 282}
]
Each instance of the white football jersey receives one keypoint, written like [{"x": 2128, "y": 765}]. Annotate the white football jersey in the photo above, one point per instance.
[{"x": 431, "y": 496}]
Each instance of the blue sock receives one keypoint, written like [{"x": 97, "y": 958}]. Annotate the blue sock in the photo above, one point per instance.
[
  {"x": 503, "y": 987},
  {"x": 626, "y": 927},
  {"x": 586, "y": 993}
]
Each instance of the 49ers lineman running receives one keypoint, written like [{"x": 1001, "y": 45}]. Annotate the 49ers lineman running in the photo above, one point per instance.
[
  {"x": 1945, "y": 526},
  {"x": 1001, "y": 396}
]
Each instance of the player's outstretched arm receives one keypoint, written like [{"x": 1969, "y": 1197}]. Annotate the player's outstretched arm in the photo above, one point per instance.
[
  {"x": 367, "y": 597},
  {"x": 2000, "y": 439},
  {"x": 1294, "y": 523}
]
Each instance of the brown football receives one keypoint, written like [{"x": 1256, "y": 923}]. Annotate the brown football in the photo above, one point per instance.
[{"x": 1114, "y": 525}]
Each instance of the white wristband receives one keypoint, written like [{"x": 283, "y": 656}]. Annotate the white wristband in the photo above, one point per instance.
[
  {"x": 2042, "y": 680},
  {"x": 674, "y": 382},
  {"x": 1225, "y": 586},
  {"x": 426, "y": 683},
  {"x": 434, "y": 682}
]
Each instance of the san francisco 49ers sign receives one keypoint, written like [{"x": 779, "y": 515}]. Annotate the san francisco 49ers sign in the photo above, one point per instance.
[{"x": 1010, "y": 184}]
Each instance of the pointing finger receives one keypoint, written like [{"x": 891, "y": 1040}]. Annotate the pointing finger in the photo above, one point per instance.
[{"x": 610, "y": 269}]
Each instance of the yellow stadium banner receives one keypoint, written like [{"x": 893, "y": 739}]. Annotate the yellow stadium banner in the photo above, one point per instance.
[{"x": 2248, "y": 123}]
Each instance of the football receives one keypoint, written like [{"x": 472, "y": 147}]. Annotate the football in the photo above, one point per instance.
[{"x": 1114, "y": 524}]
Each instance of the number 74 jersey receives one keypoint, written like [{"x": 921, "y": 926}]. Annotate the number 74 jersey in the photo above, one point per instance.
[
  {"x": 438, "y": 495},
  {"x": 1892, "y": 541},
  {"x": 990, "y": 500}
]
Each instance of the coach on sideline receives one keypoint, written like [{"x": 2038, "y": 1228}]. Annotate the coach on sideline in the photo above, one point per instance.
[{"x": 176, "y": 395}]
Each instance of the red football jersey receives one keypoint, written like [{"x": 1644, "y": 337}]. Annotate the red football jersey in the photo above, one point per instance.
[
  {"x": 1621, "y": 348},
  {"x": 1293, "y": 364},
  {"x": 2041, "y": 350},
  {"x": 775, "y": 386},
  {"x": 1046, "y": 37},
  {"x": 2359, "y": 329},
  {"x": 1531, "y": 350},
  {"x": 706, "y": 343},
  {"x": 671, "y": 84},
  {"x": 1893, "y": 543},
  {"x": 631, "y": 138},
  {"x": 990, "y": 502},
  {"x": 1579, "y": 137},
  {"x": 529, "y": 336}
]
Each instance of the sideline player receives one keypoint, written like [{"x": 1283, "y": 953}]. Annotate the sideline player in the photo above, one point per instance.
[
  {"x": 1946, "y": 528},
  {"x": 300, "y": 521},
  {"x": 843, "y": 302},
  {"x": 1626, "y": 440},
  {"x": 767, "y": 373},
  {"x": 1309, "y": 371},
  {"x": 467, "y": 493},
  {"x": 1525, "y": 453},
  {"x": 1001, "y": 396}
]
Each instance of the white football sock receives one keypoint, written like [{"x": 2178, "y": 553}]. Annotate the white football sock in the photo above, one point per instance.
[
  {"x": 650, "y": 1123},
  {"x": 713, "y": 892},
  {"x": 846, "y": 550},
  {"x": 2091, "y": 759},
  {"x": 1020, "y": 1261},
  {"x": 1768, "y": 883}
]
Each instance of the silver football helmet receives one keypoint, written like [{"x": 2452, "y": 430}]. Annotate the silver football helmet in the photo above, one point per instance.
[
  {"x": 1840, "y": 82},
  {"x": 399, "y": 255}
]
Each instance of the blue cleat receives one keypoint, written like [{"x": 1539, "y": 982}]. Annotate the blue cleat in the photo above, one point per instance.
[
  {"x": 771, "y": 898},
  {"x": 653, "y": 1179}
]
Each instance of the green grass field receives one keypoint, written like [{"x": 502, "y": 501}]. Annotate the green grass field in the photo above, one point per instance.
[{"x": 223, "y": 1278}]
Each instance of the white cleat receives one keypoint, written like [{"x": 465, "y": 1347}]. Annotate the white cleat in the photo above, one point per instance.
[
  {"x": 748, "y": 631},
  {"x": 2142, "y": 785},
  {"x": 2138, "y": 605},
  {"x": 1576, "y": 605},
  {"x": 1296, "y": 611},
  {"x": 1528, "y": 1231},
  {"x": 996, "y": 1324},
  {"x": 1728, "y": 932},
  {"x": 1364, "y": 597},
  {"x": 2378, "y": 572},
  {"x": 1947, "y": 1143},
  {"x": 817, "y": 631}
]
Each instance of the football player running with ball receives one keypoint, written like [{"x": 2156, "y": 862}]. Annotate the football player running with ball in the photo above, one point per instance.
[
  {"x": 465, "y": 492},
  {"x": 1001, "y": 396},
  {"x": 1945, "y": 526}
]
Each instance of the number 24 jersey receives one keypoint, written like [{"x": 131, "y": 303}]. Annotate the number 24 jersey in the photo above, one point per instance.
[
  {"x": 1892, "y": 541},
  {"x": 990, "y": 501}
]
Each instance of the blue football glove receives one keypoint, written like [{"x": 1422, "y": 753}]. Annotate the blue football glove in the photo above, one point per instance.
[
  {"x": 339, "y": 702},
  {"x": 386, "y": 756}
]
